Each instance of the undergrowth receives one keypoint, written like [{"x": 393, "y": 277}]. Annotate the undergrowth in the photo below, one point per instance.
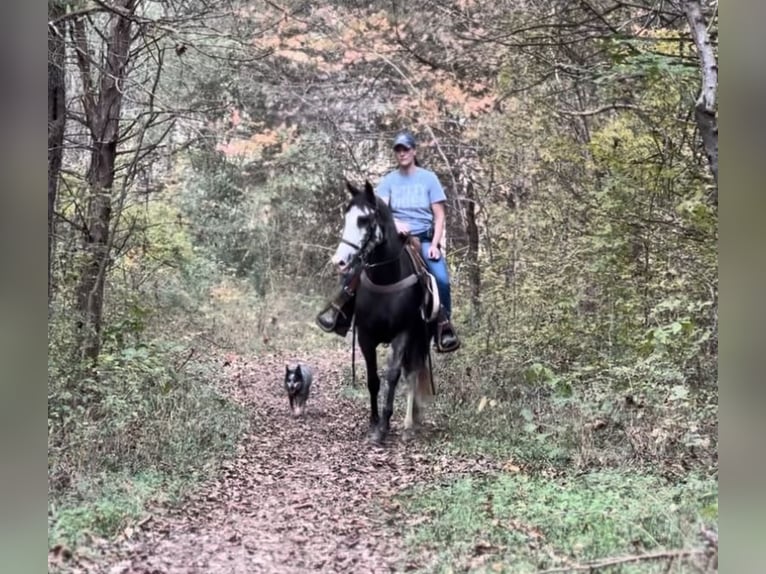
[
  {"x": 519, "y": 523},
  {"x": 151, "y": 425},
  {"x": 635, "y": 412},
  {"x": 147, "y": 425},
  {"x": 107, "y": 504},
  {"x": 603, "y": 458}
]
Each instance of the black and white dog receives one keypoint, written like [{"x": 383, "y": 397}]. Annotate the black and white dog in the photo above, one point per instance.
[{"x": 298, "y": 385}]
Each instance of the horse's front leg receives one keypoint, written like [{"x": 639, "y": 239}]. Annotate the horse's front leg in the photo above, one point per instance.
[
  {"x": 373, "y": 381},
  {"x": 392, "y": 378}
]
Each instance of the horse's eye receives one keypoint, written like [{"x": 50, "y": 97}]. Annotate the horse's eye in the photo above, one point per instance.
[{"x": 363, "y": 220}]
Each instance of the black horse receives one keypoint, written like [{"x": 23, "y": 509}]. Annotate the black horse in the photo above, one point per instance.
[{"x": 388, "y": 307}]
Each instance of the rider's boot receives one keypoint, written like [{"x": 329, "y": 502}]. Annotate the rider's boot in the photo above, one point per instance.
[
  {"x": 336, "y": 317},
  {"x": 446, "y": 337}
]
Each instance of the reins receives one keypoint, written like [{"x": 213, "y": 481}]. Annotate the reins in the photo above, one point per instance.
[
  {"x": 386, "y": 261},
  {"x": 353, "y": 353}
]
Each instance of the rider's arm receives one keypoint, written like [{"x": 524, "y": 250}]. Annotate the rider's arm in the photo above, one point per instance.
[{"x": 439, "y": 218}]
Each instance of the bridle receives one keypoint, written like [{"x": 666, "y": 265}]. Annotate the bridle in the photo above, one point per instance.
[{"x": 364, "y": 250}]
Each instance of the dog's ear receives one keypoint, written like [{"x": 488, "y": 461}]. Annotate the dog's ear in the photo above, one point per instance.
[
  {"x": 287, "y": 369},
  {"x": 298, "y": 372}
]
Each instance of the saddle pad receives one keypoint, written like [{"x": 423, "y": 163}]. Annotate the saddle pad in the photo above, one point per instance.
[{"x": 433, "y": 289}]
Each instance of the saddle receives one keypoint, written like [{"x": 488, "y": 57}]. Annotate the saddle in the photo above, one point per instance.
[{"x": 430, "y": 306}]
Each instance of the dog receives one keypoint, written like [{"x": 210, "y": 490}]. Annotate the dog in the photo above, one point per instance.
[{"x": 298, "y": 386}]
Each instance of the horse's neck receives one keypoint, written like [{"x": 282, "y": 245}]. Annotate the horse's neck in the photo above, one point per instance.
[{"x": 388, "y": 265}]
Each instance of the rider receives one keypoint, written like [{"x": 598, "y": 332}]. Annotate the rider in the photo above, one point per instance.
[{"x": 417, "y": 201}]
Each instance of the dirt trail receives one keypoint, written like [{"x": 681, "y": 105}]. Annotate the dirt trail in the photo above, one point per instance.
[{"x": 301, "y": 495}]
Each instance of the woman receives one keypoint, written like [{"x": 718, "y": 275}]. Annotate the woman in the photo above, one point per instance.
[{"x": 417, "y": 201}]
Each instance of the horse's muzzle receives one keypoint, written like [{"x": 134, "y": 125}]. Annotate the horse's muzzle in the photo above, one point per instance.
[{"x": 341, "y": 266}]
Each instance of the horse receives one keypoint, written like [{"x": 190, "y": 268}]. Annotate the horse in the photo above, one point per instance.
[{"x": 388, "y": 307}]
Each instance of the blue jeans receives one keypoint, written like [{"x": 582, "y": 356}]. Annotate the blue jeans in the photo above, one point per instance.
[{"x": 439, "y": 270}]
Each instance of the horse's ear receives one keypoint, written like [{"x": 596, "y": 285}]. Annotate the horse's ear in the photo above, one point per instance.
[
  {"x": 369, "y": 192},
  {"x": 351, "y": 188}
]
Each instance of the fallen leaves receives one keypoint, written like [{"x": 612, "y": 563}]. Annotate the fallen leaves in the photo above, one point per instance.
[{"x": 298, "y": 494}]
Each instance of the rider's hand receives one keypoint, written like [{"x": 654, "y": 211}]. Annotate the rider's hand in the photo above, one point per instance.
[
  {"x": 402, "y": 228},
  {"x": 434, "y": 252}
]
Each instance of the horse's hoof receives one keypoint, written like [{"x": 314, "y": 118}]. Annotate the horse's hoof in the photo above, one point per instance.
[
  {"x": 378, "y": 437},
  {"x": 408, "y": 435}
]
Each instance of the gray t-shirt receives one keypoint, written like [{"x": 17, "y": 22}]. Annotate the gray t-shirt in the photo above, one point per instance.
[{"x": 410, "y": 197}]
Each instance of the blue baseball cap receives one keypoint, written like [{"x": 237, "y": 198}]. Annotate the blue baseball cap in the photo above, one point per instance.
[{"x": 406, "y": 139}]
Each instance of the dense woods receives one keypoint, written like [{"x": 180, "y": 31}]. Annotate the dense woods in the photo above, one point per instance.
[{"x": 196, "y": 156}]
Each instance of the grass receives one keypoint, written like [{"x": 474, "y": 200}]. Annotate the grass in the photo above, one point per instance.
[
  {"x": 154, "y": 424},
  {"x": 107, "y": 505},
  {"x": 519, "y": 523},
  {"x": 591, "y": 476},
  {"x": 245, "y": 322},
  {"x": 150, "y": 433}
]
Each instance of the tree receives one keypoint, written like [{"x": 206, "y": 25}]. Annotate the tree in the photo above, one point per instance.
[
  {"x": 102, "y": 102},
  {"x": 705, "y": 108},
  {"x": 56, "y": 118}
]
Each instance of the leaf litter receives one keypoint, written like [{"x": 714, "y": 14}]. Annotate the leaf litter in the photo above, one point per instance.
[{"x": 300, "y": 494}]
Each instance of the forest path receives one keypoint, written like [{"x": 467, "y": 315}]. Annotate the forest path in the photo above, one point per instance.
[{"x": 308, "y": 494}]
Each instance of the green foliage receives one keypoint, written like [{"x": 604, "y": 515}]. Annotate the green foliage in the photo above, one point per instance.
[
  {"x": 105, "y": 505},
  {"x": 148, "y": 421},
  {"x": 640, "y": 413},
  {"x": 530, "y": 523},
  {"x": 263, "y": 227},
  {"x": 142, "y": 422},
  {"x": 597, "y": 346}
]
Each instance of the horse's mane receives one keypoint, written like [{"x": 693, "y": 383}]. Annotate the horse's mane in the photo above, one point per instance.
[{"x": 385, "y": 215}]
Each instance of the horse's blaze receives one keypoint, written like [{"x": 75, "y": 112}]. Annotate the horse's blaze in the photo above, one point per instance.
[{"x": 352, "y": 233}]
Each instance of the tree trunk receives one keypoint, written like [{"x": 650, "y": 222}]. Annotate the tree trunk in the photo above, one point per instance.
[
  {"x": 56, "y": 122},
  {"x": 103, "y": 117},
  {"x": 705, "y": 109},
  {"x": 472, "y": 255}
]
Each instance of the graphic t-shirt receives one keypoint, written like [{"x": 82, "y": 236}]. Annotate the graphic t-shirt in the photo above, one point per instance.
[{"x": 410, "y": 197}]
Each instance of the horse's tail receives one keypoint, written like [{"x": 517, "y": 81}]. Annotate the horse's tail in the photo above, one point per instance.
[{"x": 423, "y": 387}]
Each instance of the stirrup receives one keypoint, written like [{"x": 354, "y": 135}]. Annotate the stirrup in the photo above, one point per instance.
[
  {"x": 337, "y": 305},
  {"x": 439, "y": 332},
  {"x": 331, "y": 327}
]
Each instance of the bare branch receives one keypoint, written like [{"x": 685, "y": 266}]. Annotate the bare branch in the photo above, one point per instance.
[
  {"x": 661, "y": 555},
  {"x": 80, "y": 40},
  {"x": 601, "y": 110}
]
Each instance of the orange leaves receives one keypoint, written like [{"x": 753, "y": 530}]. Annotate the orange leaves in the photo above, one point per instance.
[
  {"x": 294, "y": 55},
  {"x": 352, "y": 57},
  {"x": 456, "y": 97},
  {"x": 253, "y": 146},
  {"x": 474, "y": 107},
  {"x": 379, "y": 21},
  {"x": 451, "y": 93},
  {"x": 235, "y": 118}
]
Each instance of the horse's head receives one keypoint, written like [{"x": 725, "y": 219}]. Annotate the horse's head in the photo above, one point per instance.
[{"x": 363, "y": 229}]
